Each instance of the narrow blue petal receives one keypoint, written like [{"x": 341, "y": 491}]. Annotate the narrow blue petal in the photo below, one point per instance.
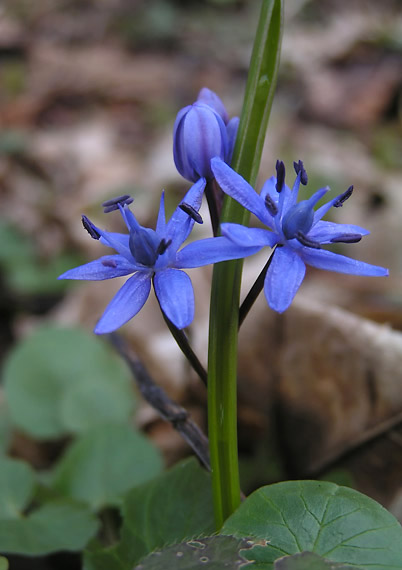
[
  {"x": 106, "y": 267},
  {"x": 249, "y": 236},
  {"x": 127, "y": 302},
  {"x": 238, "y": 188},
  {"x": 180, "y": 224},
  {"x": 323, "y": 259},
  {"x": 284, "y": 277},
  {"x": 232, "y": 127},
  {"x": 118, "y": 242},
  {"x": 324, "y": 232},
  {"x": 161, "y": 221},
  {"x": 269, "y": 189},
  {"x": 175, "y": 294},
  {"x": 212, "y": 250}
]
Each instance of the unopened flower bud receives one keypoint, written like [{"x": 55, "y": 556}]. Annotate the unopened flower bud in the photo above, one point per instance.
[{"x": 199, "y": 135}]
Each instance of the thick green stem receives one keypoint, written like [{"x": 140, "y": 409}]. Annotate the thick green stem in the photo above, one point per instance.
[{"x": 224, "y": 313}]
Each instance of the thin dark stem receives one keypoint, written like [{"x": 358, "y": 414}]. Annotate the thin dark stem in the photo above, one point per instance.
[
  {"x": 160, "y": 401},
  {"x": 182, "y": 341},
  {"x": 214, "y": 201},
  {"x": 254, "y": 291}
]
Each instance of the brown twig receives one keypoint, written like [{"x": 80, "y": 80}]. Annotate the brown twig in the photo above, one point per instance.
[{"x": 167, "y": 408}]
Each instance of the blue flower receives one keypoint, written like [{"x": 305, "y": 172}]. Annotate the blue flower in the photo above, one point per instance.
[
  {"x": 154, "y": 256},
  {"x": 202, "y": 131},
  {"x": 294, "y": 227}
]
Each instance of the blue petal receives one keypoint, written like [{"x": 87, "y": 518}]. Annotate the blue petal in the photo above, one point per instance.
[
  {"x": 238, "y": 188},
  {"x": 212, "y": 250},
  {"x": 323, "y": 259},
  {"x": 118, "y": 242},
  {"x": 249, "y": 236},
  {"x": 210, "y": 98},
  {"x": 324, "y": 232},
  {"x": 284, "y": 277},
  {"x": 175, "y": 294},
  {"x": 180, "y": 224},
  {"x": 161, "y": 221},
  {"x": 106, "y": 267},
  {"x": 232, "y": 127},
  {"x": 127, "y": 302}
]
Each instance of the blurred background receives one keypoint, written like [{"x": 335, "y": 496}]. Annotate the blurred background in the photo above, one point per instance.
[{"x": 89, "y": 91}]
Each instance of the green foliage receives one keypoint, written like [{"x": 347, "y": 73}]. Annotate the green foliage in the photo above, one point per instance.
[
  {"x": 61, "y": 381},
  {"x": 57, "y": 525},
  {"x": 104, "y": 463},
  {"x": 173, "y": 507},
  {"x": 335, "y": 522},
  {"x": 24, "y": 271},
  {"x": 3, "y": 563},
  {"x": 215, "y": 553},
  {"x": 308, "y": 561}
]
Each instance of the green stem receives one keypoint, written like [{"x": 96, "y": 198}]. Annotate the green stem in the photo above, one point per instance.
[
  {"x": 224, "y": 312},
  {"x": 254, "y": 291}
]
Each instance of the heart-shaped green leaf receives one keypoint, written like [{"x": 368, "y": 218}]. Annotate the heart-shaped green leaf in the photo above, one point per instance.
[
  {"x": 60, "y": 381},
  {"x": 335, "y": 522},
  {"x": 17, "y": 483},
  {"x": 213, "y": 552},
  {"x": 173, "y": 507},
  {"x": 308, "y": 561},
  {"x": 104, "y": 463}
]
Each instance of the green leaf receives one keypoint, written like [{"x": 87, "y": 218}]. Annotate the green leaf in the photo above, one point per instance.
[
  {"x": 105, "y": 463},
  {"x": 214, "y": 553},
  {"x": 61, "y": 381},
  {"x": 3, "y": 563},
  {"x": 17, "y": 483},
  {"x": 53, "y": 527},
  {"x": 308, "y": 561},
  {"x": 335, "y": 522},
  {"x": 174, "y": 507}
]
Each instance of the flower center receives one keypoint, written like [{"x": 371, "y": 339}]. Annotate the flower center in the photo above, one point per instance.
[{"x": 298, "y": 220}]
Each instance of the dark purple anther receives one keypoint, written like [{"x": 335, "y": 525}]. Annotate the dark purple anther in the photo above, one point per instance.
[
  {"x": 271, "y": 205},
  {"x": 114, "y": 203},
  {"x": 280, "y": 175},
  {"x": 109, "y": 263},
  {"x": 299, "y": 168},
  {"x": 304, "y": 240},
  {"x": 343, "y": 197},
  {"x": 192, "y": 212},
  {"x": 347, "y": 238},
  {"x": 89, "y": 226},
  {"x": 162, "y": 247}
]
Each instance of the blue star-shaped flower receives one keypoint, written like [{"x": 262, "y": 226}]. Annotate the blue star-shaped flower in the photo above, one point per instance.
[
  {"x": 154, "y": 255},
  {"x": 294, "y": 227}
]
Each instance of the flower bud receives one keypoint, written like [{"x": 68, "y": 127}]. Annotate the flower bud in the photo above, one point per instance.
[{"x": 199, "y": 135}]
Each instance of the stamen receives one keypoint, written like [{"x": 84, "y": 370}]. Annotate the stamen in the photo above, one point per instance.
[
  {"x": 343, "y": 197},
  {"x": 280, "y": 175},
  {"x": 113, "y": 203},
  {"x": 304, "y": 240},
  {"x": 299, "y": 168},
  {"x": 109, "y": 263},
  {"x": 91, "y": 229},
  {"x": 271, "y": 205},
  {"x": 162, "y": 247},
  {"x": 347, "y": 238},
  {"x": 192, "y": 212}
]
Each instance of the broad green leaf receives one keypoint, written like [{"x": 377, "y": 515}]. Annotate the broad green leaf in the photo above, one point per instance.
[
  {"x": 174, "y": 507},
  {"x": 3, "y": 563},
  {"x": 213, "y": 552},
  {"x": 17, "y": 484},
  {"x": 104, "y": 463},
  {"x": 335, "y": 522},
  {"x": 59, "y": 381},
  {"x": 308, "y": 561},
  {"x": 53, "y": 527}
]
